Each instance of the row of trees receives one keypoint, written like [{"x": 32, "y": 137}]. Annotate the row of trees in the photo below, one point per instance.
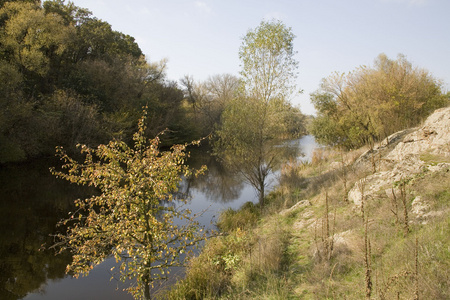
[
  {"x": 371, "y": 103},
  {"x": 66, "y": 77}
]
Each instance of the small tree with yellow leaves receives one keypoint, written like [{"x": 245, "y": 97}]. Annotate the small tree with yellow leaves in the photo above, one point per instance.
[{"x": 135, "y": 217}]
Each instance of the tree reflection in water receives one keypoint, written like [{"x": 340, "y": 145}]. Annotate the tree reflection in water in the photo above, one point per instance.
[
  {"x": 32, "y": 202},
  {"x": 223, "y": 186},
  {"x": 218, "y": 184}
]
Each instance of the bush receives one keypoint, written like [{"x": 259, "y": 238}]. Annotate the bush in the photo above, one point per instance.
[{"x": 244, "y": 218}]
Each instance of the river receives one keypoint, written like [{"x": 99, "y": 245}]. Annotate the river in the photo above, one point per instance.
[{"x": 32, "y": 201}]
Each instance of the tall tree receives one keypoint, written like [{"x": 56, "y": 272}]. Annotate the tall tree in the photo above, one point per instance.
[
  {"x": 268, "y": 63},
  {"x": 135, "y": 218},
  {"x": 257, "y": 119}
]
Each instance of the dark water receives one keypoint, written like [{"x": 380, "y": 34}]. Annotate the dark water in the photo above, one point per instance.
[{"x": 32, "y": 201}]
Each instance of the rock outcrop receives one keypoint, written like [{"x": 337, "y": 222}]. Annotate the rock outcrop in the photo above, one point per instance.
[
  {"x": 413, "y": 153},
  {"x": 433, "y": 138}
]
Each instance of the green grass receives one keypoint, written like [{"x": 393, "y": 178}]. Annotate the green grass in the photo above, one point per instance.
[{"x": 434, "y": 159}]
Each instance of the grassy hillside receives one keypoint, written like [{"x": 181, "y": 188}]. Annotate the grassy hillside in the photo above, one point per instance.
[{"x": 348, "y": 225}]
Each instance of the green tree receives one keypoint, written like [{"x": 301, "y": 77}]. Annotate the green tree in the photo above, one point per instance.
[
  {"x": 268, "y": 63},
  {"x": 71, "y": 14},
  {"x": 33, "y": 41},
  {"x": 97, "y": 40},
  {"x": 135, "y": 218},
  {"x": 255, "y": 121},
  {"x": 371, "y": 103}
]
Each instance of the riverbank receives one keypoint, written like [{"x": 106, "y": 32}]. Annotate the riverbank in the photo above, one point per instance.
[
  {"x": 372, "y": 223},
  {"x": 34, "y": 201}
]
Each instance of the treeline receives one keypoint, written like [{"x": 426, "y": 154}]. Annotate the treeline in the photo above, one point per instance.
[
  {"x": 66, "y": 78},
  {"x": 371, "y": 103}
]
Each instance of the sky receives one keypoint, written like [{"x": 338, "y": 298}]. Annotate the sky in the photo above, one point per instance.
[{"x": 201, "y": 38}]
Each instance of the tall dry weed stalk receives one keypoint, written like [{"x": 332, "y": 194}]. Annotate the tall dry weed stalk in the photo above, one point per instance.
[
  {"x": 405, "y": 207},
  {"x": 367, "y": 248},
  {"x": 416, "y": 270},
  {"x": 328, "y": 239},
  {"x": 326, "y": 247},
  {"x": 394, "y": 208},
  {"x": 372, "y": 156}
]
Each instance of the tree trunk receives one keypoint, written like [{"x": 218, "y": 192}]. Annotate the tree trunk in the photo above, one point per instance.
[
  {"x": 146, "y": 278},
  {"x": 147, "y": 291},
  {"x": 261, "y": 192}
]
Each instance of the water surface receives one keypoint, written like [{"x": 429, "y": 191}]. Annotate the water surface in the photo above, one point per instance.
[{"x": 32, "y": 202}]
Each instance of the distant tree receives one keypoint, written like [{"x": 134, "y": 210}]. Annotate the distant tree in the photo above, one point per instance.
[
  {"x": 371, "y": 103},
  {"x": 217, "y": 92},
  {"x": 135, "y": 218},
  {"x": 209, "y": 98},
  {"x": 190, "y": 92},
  {"x": 255, "y": 121}
]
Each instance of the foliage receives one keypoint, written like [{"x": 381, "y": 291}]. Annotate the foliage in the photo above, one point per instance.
[
  {"x": 31, "y": 38},
  {"x": 56, "y": 48},
  {"x": 372, "y": 103},
  {"x": 260, "y": 116},
  {"x": 267, "y": 61},
  {"x": 206, "y": 277},
  {"x": 135, "y": 217}
]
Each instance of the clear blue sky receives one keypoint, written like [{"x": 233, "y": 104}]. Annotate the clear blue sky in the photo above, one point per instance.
[{"x": 202, "y": 37}]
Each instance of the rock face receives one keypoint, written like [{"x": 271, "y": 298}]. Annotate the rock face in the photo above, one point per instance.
[
  {"x": 405, "y": 160},
  {"x": 433, "y": 137}
]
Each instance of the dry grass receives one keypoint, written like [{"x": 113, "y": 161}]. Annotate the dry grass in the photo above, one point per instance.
[
  {"x": 392, "y": 276},
  {"x": 270, "y": 256}
]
